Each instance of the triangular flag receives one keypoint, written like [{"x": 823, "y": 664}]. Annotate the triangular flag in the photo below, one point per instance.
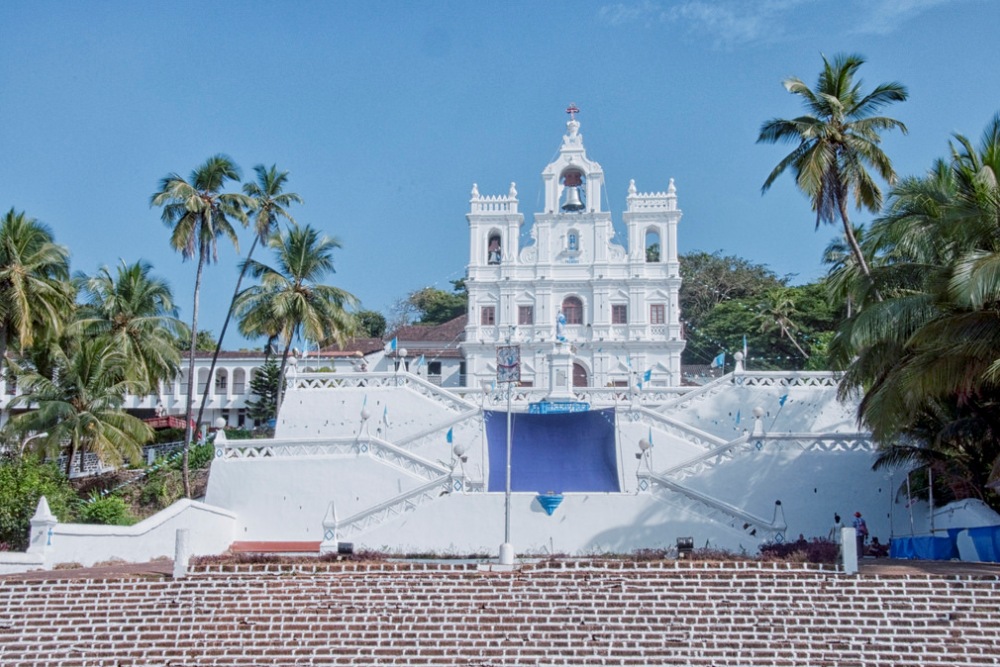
[
  {"x": 421, "y": 361},
  {"x": 385, "y": 414},
  {"x": 392, "y": 344},
  {"x": 650, "y": 435},
  {"x": 719, "y": 361},
  {"x": 450, "y": 437},
  {"x": 737, "y": 416},
  {"x": 782, "y": 399},
  {"x": 648, "y": 375},
  {"x": 744, "y": 347}
]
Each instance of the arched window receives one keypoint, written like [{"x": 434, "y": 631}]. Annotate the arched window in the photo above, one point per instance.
[
  {"x": 572, "y": 309},
  {"x": 580, "y": 377},
  {"x": 654, "y": 249},
  {"x": 494, "y": 249}
]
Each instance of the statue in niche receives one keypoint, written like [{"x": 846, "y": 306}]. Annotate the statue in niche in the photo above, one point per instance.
[
  {"x": 561, "y": 327},
  {"x": 493, "y": 255}
]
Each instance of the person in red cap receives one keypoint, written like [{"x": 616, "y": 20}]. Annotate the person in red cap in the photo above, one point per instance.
[{"x": 861, "y": 529}]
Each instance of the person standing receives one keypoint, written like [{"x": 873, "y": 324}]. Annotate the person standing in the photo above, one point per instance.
[{"x": 861, "y": 529}]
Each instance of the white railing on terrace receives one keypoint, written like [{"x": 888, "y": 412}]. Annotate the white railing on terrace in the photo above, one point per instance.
[
  {"x": 451, "y": 401},
  {"x": 493, "y": 204},
  {"x": 596, "y": 396},
  {"x": 782, "y": 379},
  {"x": 405, "y": 502},
  {"x": 651, "y": 201},
  {"x": 675, "y": 428},
  {"x": 737, "y": 517},
  {"x": 747, "y": 444},
  {"x": 373, "y": 447}
]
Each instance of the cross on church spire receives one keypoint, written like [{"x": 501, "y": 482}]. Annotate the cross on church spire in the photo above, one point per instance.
[{"x": 572, "y": 111}]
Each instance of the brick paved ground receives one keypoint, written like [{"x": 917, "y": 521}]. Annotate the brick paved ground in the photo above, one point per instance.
[{"x": 555, "y": 613}]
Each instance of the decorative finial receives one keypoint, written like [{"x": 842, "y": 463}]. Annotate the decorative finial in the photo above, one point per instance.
[
  {"x": 475, "y": 190},
  {"x": 513, "y": 191},
  {"x": 631, "y": 186},
  {"x": 671, "y": 189},
  {"x": 572, "y": 111}
]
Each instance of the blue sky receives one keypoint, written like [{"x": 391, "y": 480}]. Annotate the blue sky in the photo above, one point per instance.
[{"x": 385, "y": 113}]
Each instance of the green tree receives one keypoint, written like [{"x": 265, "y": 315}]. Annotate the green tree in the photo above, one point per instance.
[
  {"x": 290, "y": 301},
  {"x": 136, "y": 311},
  {"x": 431, "y": 305},
  {"x": 80, "y": 404},
  {"x": 371, "y": 323},
  {"x": 270, "y": 203},
  {"x": 264, "y": 387},
  {"x": 34, "y": 291},
  {"x": 776, "y": 313},
  {"x": 198, "y": 213},
  {"x": 837, "y": 141},
  {"x": 710, "y": 279},
  {"x": 23, "y": 480},
  {"x": 927, "y": 356}
]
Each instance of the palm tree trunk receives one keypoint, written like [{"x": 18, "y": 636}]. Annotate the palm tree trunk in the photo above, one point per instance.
[
  {"x": 855, "y": 247},
  {"x": 192, "y": 380},
  {"x": 281, "y": 377},
  {"x": 222, "y": 334},
  {"x": 788, "y": 334}
]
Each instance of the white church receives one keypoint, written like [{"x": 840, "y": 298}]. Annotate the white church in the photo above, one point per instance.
[
  {"x": 419, "y": 448},
  {"x": 616, "y": 306}
]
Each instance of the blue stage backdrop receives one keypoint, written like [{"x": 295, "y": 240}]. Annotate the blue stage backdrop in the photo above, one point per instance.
[{"x": 559, "y": 453}]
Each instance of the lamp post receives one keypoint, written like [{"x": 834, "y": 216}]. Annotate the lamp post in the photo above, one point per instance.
[
  {"x": 24, "y": 443},
  {"x": 509, "y": 371}
]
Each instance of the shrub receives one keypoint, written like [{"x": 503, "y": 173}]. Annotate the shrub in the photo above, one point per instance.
[
  {"x": 108, "y": 510},
  {"x": 817, "y": 550},
  {"x": 161, "y": 488},
  {"x": 22, "y": 482}
]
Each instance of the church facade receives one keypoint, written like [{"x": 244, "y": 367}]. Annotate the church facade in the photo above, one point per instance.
[{"x": 573, "y": 288}]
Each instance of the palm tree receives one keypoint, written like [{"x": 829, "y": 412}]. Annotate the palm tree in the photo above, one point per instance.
[
  {"x": 34, "y": 290},
  {"x": 776, "y": 312},
  {"x": 928, "y": 356},
  {"x": 290, "y": 301},
  {"x": 838, "y": 139},
  {"x": 198, "y": 212},
  {"x": 269, "y": 205},
  {"x": 136, "y": 311},
  {"x": 79, "y": 406}
]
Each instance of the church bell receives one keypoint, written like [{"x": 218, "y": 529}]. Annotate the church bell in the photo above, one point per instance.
[{"x": 573, "y": 180}]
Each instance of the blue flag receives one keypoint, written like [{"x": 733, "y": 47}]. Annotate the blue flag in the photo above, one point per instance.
[
  {"x": 648, "y": 375},
  {"x": 392, "y": 344},
  {"x": 782, "y": 399},
  {"x": 385, "y": 414},
  {"x": 719, "y": 360},
  {"x": 650, "y": 435},
  {"x": 450, "y": 437},
  {"x": 737, "y": 416},
  {"x": 420, "y": 361}
]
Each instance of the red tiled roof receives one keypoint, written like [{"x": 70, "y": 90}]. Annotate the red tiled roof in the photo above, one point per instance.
[{"x": 450, "y": 331}]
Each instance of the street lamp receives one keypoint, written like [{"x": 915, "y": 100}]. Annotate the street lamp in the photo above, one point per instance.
[{"x": 24, "y": 443}]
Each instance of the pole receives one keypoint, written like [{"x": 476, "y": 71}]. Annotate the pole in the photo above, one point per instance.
[
  {"x": 930, "y": 494},
  {"x": 506, "y": 532}
]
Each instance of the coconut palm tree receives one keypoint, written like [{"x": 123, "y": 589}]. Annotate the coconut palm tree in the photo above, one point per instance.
[
  {"x": 198, "y": 213},
  {"x": 136, "y": 311},
  {"x": 34, "y": 291},
  {"x": 928, "y": 356},
  {"x": 776, "y": 312},
  {"x": 270, "y": 204},
  {"x": 290, "y": 301},
  {"x": 837, "y": 141},
  {"x": 79, "y": 406}
]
